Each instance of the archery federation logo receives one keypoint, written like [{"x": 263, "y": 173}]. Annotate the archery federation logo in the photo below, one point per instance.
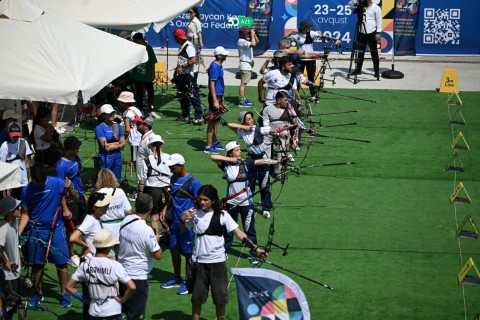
[{"x": 266, "y": 294}]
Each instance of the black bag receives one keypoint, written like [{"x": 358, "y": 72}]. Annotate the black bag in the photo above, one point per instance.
[{"x": 192, "y": 276}]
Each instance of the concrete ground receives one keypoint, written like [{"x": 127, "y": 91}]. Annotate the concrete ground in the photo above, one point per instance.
[{"x": 420, "y": 73}]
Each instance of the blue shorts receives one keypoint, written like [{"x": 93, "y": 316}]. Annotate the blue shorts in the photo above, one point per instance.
[
  {"x": 37, "y": 249},
  {"x": 181, "y": 240}
]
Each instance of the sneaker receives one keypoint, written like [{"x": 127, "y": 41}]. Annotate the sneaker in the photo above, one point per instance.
[
  {"x": 254, "y": 259},
  {"x": 197, "y": 122},
  {"x": 65, "y": 300},
  {"x": 173, "y": 282},
  {"x": 218, "y": 146},
  {"x": 36, "y": 299},
  {"x": 181, "y": 118},
  {"x": 132, "y": 196},
  {"x": 290, "y": 158},
  {"x": 266, "y": 214},
  {"x": 183, "y": 288},
  {"x": 245, "y": 104},
  {"x": 60, "y": 129},
  {"x": 211, "y": 150},
  {"x": 154, "y": 115},
  {"x": 74, "y": 261}
]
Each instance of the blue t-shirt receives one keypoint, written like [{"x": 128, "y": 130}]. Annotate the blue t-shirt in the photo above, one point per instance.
[
  {"x": 3, "y": 136},
  {"x": 215, "y": 73},
  {"x": 43, "y": 201},
  {"x": 106, "y": 132},
  {"x": 181, "y": 201},
  {"x": 71, "y": 169}
]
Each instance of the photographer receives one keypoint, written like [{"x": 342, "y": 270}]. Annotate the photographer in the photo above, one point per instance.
[{"x": 369, "y": 27}]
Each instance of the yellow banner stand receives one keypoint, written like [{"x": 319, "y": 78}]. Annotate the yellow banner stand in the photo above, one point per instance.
[
  {"x": 449, "y": 85},
  {"x": 464, "y": 278},
  {"x": 455, "y": 198},
  {"x": 463, "y": 232},
  {"x": 457, "y": 145}
]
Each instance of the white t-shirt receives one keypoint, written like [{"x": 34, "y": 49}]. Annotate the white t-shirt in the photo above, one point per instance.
[
  {"x": 134, "y": 137},
  {"x": 137, "y": 243},
  {"x": 191, "y": 52},
  {"x": 248, "y": 137},
  {"x": 245, "y": 54},
  {"x": 101, "y": 275},
  {"x": 209, "y": 249},
  {"x": 300, "y": 40},
  {"x": 9, "y": 242},
  {"x": 275, "y": 81},
  {"x": 193, "y": 28},
  {"x": 8, "y": 151},
  {"x": 271, "y": 116},
  {"x": 88, "y": 228},
  {"x": 116, "y": 210},
  {"x": 231, "y": 173},
  {"x": 40, "y": 144},
  {"x": 143, "y": 150},
  {"x": 161, "y": 174}
]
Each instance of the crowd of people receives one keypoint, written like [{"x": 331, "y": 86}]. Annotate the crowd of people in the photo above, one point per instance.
[{"x": 112, "y": 245}]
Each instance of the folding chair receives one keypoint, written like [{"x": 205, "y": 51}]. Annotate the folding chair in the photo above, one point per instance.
[{"x": 161, "y": 76}]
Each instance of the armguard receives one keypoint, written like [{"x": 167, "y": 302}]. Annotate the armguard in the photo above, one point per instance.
[{"x": 249, "y": 244}]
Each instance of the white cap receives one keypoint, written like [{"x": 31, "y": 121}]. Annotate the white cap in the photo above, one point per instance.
[
  {"x": 126, "y": 97},
  {"x": 10, "y": 113},
  {"x": 221, "y": 50},
  {"x": 231, "y": 145},
  {"x": 174, "y": 159},
  {"x": 156, "y": 138},
  {"x": 104, "y": 239},
  {"x": 107, "y": 108},
  {"x": 107, "y": 199}
]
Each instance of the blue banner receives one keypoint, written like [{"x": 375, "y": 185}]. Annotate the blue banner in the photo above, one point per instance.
[
  {"x": 261, "y": 12},
  {"x": 267, "y": 294},
  {"x": 449, "y": 27},
  {"x": 444, "y": 26},
  {"x": 405, "y": 27},
  {"x": 333, "y": 18}
]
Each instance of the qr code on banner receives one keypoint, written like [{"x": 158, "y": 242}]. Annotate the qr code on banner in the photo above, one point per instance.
[{"x": 441, "y": 26}]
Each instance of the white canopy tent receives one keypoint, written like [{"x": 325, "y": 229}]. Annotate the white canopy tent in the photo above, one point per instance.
[
  {"x": 48, "y": 57},
  {"x": 122, "y": 14},
  {"x": 9, "y": 176}
]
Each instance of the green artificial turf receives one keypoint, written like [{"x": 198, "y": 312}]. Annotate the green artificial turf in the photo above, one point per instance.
[{"x": 381, "y": 231}]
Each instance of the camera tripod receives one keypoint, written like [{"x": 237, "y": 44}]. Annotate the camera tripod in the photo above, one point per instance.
[{"x": 360, "y": 10}]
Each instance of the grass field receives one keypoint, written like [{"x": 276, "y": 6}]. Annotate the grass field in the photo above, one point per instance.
[{"x": 380, "y": 231}]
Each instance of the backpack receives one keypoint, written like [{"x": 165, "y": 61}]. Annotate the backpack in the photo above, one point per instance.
[{"x": 22, "y": 151}]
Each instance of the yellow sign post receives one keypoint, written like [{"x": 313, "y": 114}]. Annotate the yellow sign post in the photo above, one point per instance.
[
  {"x": 455, "y": 198},
  {"x": 449, "y": 85},
  {"x": 463, "y": 232},
  {"x": 457, "y": 145},
  {"x": 464, "y": 278}
]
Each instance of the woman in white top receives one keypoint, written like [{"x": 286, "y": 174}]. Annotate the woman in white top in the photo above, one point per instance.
[
  {"x": 45, "y": 137},
  {"x": 194, "y": 34},
  {"x": 154, "y": 178},
  {"x": 84, "y": 234},
  {"x": 119, "y": 207},
  {"x": 210, "y": 223}
]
